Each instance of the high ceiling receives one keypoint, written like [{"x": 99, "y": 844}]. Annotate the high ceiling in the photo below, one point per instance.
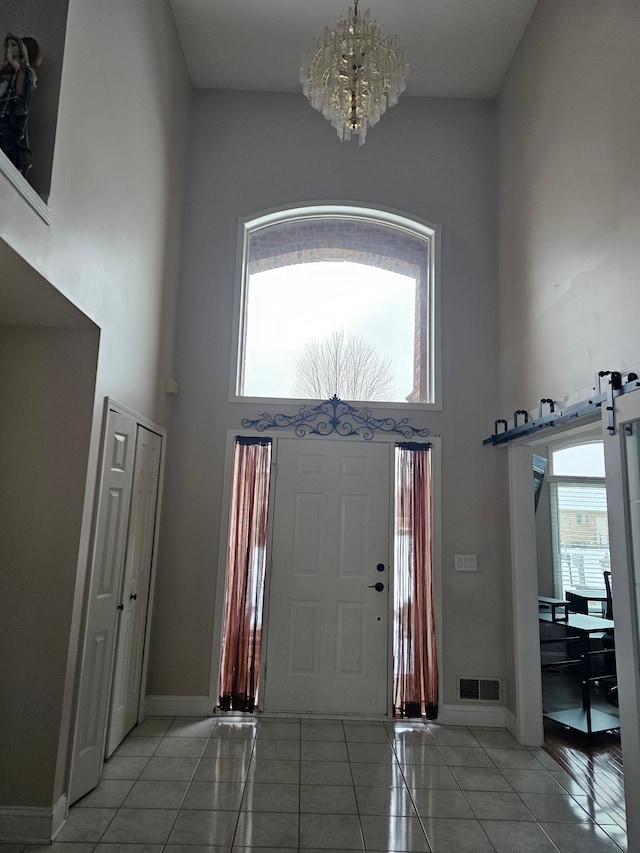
[{"x": 455, "y": 48}]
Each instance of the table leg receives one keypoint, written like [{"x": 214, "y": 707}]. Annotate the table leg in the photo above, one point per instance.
[{"x": 585, "y": 659}]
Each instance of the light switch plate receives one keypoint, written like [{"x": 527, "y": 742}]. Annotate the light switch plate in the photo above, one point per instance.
[{"x": 466, "y": 563}]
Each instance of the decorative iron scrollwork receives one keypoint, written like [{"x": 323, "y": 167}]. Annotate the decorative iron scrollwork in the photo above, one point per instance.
[{"x": 334, "y": 415}]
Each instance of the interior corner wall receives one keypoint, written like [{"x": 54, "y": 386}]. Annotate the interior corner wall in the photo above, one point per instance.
[
  {"x": 569, "y": 202},
  {"x": 249, "y": 152},
  {"x": 47, "y": 382},
  {"x": 112, "y": 247}
]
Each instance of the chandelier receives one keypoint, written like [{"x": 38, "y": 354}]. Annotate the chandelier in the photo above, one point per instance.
[{"x": 353, "y": 75}]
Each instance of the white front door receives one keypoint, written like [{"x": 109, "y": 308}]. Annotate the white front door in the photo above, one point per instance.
[
  {"x": 327, "y": 625},
  {"x": 114, "y": 500},
  {"x": 125, "y": 696},
  {"x": 622, "y": 462}
]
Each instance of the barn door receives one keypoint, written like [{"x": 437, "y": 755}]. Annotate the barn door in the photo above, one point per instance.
[{"x": 622, "y": 462}]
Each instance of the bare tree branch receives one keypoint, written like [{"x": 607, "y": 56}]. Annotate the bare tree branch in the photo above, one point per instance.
[{"x": 344, "y": 364}]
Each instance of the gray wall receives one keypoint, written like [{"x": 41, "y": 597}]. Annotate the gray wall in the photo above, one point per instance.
[
  {"x": 107, "y": 262},
  {"x": 569, "y": 190},
  {"x": 47, "y": 379},
  {"x": 433, "y": 159},
  {"x": 569, "y": 218}
]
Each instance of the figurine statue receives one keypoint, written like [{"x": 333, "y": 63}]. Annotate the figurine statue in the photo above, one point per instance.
[{"x": 17, "y": 82}]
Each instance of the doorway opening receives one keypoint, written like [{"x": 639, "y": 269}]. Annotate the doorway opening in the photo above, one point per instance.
[
  {"x": 579, "y": 687},
  {"x": 621, "y": 459},
  {"x": 318, "y": 538}
]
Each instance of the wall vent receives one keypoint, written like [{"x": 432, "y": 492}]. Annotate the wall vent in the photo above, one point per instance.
[{"x": 479, "y": 689}]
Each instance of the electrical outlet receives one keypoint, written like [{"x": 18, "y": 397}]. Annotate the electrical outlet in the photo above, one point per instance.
[
  {"x": 466, "y": 563},
  {"x": 170, "y": 386}
]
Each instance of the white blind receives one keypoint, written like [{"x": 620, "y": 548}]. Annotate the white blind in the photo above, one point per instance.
[{"x": 580, "y": 535}]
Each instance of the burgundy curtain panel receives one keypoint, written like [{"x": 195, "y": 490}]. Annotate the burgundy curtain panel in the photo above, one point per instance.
[
  {"x": 244, "y": 588},
  {"x": 415, "y": 661}
]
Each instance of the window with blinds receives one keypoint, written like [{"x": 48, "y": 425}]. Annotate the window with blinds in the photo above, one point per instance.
[{"x": 579, "y": 526}]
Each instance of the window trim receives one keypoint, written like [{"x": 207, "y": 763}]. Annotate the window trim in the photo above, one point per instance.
[{"x": 379, "y": 215}]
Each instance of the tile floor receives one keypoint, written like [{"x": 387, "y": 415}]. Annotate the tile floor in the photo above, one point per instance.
[{"x": 186, "y": 785}]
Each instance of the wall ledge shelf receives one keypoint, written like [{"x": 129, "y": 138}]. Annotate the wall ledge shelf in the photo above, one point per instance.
[{"x": 24, "y": 188}]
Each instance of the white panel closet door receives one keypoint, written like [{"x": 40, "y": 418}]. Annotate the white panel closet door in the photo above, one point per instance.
[
  {"x": 327, "y": 635},
  {"x": 622, "y": 464},
  {"x": 125, "y": 696},
  {"x": 107, "y": 564}
]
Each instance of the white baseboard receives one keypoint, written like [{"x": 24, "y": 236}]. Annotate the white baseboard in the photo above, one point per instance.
[
  {"x": 60, "y": 811},
  {"x": 30, "y": 824},
  {"x": 177, "y": 706},
  {"x": 511, "y": 723},
  {"x": 473, "y": 715},
  {"x": 451, "y": 715}
]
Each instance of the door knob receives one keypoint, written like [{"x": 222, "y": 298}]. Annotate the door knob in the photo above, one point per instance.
[
  {"x": 377, "y": 586},
  {"x": 133, "y": 596}
]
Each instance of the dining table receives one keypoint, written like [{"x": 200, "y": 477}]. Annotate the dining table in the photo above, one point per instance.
[{"x": 584, "y": 629}]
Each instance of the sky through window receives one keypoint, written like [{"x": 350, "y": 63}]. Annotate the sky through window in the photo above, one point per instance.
[{"x": 289, "y": 306}]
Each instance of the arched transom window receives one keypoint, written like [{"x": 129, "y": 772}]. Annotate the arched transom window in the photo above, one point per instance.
[{"x": 337, "y": 300}]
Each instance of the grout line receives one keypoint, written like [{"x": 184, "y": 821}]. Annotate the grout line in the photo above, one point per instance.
[
  {"x": 353, "y": 787},
  {"x": 300, "y": 789}
]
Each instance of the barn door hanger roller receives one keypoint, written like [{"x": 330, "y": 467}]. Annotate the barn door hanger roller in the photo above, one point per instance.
[{"x": 605, "y": 393}]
